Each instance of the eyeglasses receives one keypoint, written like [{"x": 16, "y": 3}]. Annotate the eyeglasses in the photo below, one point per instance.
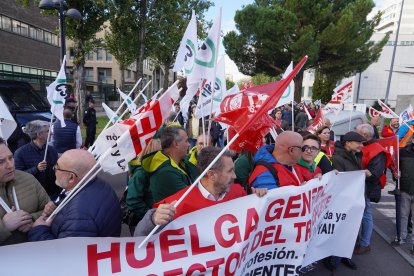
[
  {"x": 56, "y": 168},
  {"x": 308, "y": 148}
]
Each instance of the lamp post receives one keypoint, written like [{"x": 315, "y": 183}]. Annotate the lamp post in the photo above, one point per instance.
[{"x": 61, "y": 7}]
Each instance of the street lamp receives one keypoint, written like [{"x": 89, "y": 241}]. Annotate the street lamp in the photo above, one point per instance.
[{"x": 61, "y": 7}]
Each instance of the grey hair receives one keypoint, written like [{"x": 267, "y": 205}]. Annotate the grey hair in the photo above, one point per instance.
[
  {"x": 207, "y": 155},
  {"x": 170, "y": 134},
  {"x": 366, "y": 129},
  {"x": 34, "y": 127}
]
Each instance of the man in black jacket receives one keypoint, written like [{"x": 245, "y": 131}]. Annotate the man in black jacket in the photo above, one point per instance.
[
  {"x": 89, "y": 119},
  {"x": 407, "y": 189},
  {"x": 347, "y": 157}
]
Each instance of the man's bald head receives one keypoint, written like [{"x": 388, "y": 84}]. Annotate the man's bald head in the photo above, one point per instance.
[
  {"x": 288, "y": 147},
  {"x": 78, "y": 161}
]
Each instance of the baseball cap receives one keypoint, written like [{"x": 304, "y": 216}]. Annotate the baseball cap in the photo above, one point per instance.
[{"x": 353, "y": 136}]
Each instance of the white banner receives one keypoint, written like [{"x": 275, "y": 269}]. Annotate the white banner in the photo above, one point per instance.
[{"x": 289, "y": 227}]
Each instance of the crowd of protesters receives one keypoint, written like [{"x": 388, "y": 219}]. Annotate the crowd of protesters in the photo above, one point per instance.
[{"x": 179, "y": 152}]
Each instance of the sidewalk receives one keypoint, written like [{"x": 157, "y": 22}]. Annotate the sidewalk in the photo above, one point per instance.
[{"x": 384, "y": 222}]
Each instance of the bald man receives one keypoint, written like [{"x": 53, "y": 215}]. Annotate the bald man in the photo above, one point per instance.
[
  {"x": 274, "y": 164},
  {"x": 93, "y": 212}
]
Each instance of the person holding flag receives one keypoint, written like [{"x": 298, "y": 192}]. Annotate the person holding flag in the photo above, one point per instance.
[{"x": 30, "y": 157}]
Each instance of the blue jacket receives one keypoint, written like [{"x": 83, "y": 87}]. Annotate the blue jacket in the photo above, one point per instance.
[
  {"x": 26, "y": 159},
  {"x": 265, "y": 179},
  {"x": 93, "y": 212},
  {"x": 64, "y": 137}
]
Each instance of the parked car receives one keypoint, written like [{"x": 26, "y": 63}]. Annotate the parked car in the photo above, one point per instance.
[{"x": 25, "y": 105}]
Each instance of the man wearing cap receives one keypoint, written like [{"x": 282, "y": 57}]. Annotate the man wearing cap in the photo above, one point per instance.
[{"x": 347, "y": 157}]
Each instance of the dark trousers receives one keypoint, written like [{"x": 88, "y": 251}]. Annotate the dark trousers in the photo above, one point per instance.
[{"x": 90, "y": 136}]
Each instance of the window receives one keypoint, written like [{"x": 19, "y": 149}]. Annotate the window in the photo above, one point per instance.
[
  {"x": 32, "y": 33},
  {"x": 90, "y": 55},
  {"x": 99, "y": 54},
  {"x": 47, "y": 37},
  {"x": 89, "y": 74},
  {"x": 6, "y": 23},
  {"x": 302, "y": 93},
  {"x": 16, "y": 26},
  {"x": 71, "y": 53},
  {"x": 310, "y": 91},
  {"x": 105, "y": 75},
  {"x": 128, "y": 74},
  {"x": 25, "y": 70},
  {"x": 24, "y": 29},
  {"x": 108, "y": 56}
]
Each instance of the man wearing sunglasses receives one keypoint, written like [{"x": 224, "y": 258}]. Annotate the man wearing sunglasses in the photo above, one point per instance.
[
  {"x": 93, "y": 212},
  {"x": 274, "y": 164}
]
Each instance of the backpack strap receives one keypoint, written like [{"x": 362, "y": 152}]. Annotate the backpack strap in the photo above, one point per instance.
[{"x": 260, "y": 167}]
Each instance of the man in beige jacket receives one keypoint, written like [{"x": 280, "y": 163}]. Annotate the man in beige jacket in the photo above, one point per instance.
[{"x": 22, "y": 199}]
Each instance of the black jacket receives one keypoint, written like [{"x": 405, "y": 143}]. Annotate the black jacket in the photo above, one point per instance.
[
  {"x": 345, "y": 161},
  {"x": 407, "y": 170},
  {"x": 89, "y": 118}
]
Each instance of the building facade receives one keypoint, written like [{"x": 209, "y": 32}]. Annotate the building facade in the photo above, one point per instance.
[
  {"x": 372, "y": 83},
  {"x": 103, "y": 75},
  {"x": 29, "y": 44}
]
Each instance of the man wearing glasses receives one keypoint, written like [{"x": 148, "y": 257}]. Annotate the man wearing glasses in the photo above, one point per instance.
[
  {"x": 93, "y": 212},
  {"x": 306, "y": 166},
  {"x": 274, "y": 164}
]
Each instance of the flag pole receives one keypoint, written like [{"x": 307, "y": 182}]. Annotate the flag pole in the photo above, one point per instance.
[
  {"x": 123, "y": 102},
  {"x": 116, "y": 112},
  {"x": 71, "y": 193},
  {"x": 193, "y": 185},
  {"x": 48, "y": 135},
  {"x": 264, "y": 108},
  {"x": 293, "y": 117}
]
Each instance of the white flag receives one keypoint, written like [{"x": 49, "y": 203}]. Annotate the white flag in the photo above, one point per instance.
[
  {"x": 287, "y": 96},
  {"x": 192, "y": 89},
  {"x": 132, "y": 107},
  {"x": 7, "y": 123},
  {"x": 407, "y": 115},
  {"x": 206, "y": 58},
  {"x": 110, "y": 113},
  {"x": 188, "y": 48},
  {"x": 144, "y": 127},
  {"x": 204, "y": 101},
  {"x": 56, "y": 94}
]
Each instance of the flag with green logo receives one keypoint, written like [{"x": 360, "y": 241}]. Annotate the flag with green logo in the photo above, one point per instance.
[
  {"x": 287, "y": 96},
  {"x": 56, "y": 94}
]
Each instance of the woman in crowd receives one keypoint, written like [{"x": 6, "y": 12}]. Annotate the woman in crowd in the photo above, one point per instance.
[{"x": 327, "y": 145}]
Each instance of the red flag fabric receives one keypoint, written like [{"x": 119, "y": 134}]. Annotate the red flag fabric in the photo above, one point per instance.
[
  {"x": 391, "y": 145},
  {"x": 252, "y": 121},
  {"x": 253, "y": 97},
  {"x": 317, "y": 122}
]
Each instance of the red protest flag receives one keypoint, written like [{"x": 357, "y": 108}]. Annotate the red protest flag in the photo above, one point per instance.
[
  {"x": 318, "y": 122},
  {"x": 248, "y": 117}
]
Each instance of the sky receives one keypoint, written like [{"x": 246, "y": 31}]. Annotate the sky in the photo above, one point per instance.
[{"x": 229, "y": 9}]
